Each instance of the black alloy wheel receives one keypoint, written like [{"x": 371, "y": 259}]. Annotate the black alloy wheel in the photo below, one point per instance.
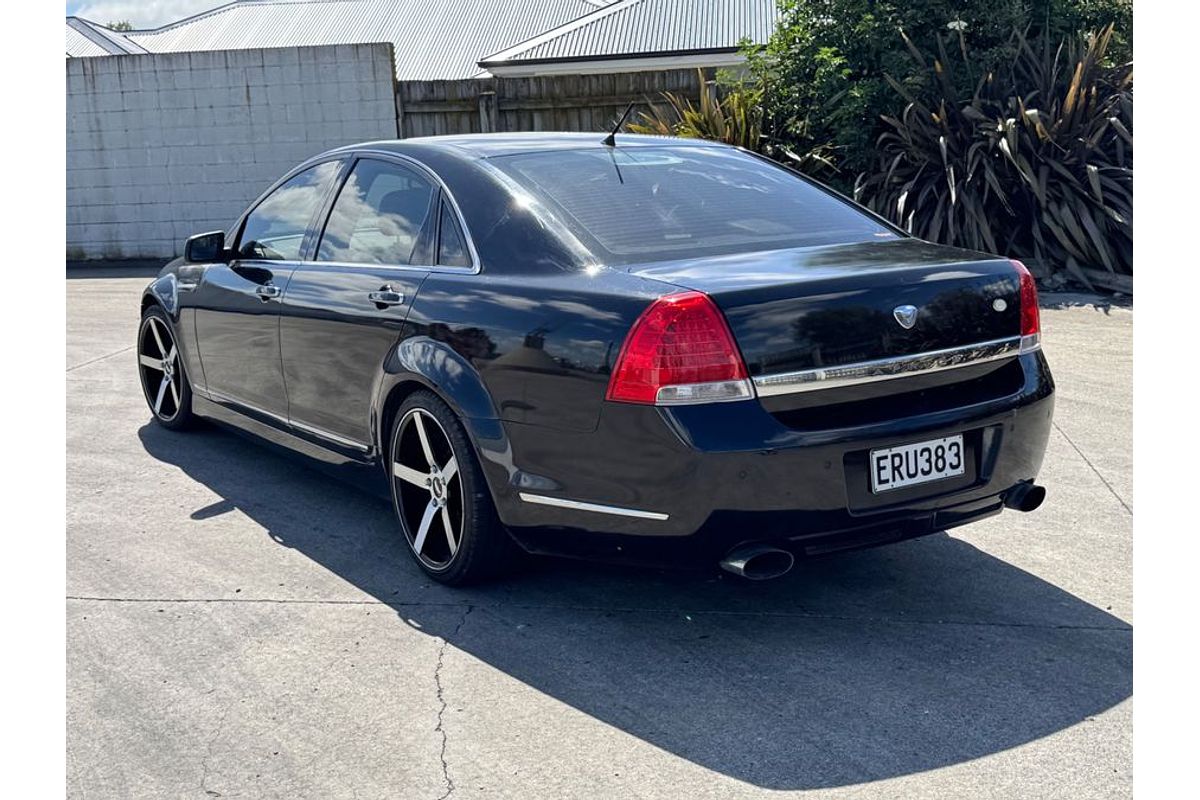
[
  {"x": 438, "y": 490},
  {"x": 160, "y": 368}
]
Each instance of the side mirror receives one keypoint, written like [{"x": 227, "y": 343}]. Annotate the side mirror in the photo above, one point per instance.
[{"x": 204, "y": 247}]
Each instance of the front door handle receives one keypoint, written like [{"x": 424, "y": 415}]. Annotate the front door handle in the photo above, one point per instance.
[
  {"x": 267, "y": 291},
  {"x": 386, "y": 297}
]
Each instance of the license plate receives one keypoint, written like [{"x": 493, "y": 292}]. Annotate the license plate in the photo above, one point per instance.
[{"x": 911, "y": 464}]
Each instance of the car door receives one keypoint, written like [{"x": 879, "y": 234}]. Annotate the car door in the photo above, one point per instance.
[
  {"x": 237, "y": 303},
  {"x": 344, "y": 311}
]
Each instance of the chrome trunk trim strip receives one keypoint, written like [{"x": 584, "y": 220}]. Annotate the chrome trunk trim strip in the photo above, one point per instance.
[
  {"x": 884, "y": 369},
  {"x": 576, "y": 505}
]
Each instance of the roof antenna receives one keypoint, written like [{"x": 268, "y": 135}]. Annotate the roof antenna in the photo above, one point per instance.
[{"x": 611, "y": 139}]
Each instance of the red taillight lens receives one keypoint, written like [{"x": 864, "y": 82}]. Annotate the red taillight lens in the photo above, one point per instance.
[
  {"x": 679, "y": 351},
  {"x": 1031, "y": 321}
]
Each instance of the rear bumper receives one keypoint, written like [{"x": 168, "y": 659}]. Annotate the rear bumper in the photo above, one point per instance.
[{"x": 701, "y": 479}]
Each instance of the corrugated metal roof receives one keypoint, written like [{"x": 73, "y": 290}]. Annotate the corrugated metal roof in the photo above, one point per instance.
[
  {"x": 86, "y": 39},
  {"x": 433, "y": 39},
  {"x": 649, "y": 27},
  {"x": 80, "y": 46}
]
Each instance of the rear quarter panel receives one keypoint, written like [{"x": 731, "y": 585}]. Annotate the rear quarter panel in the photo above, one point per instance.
[{"x": 541, "y": 346}]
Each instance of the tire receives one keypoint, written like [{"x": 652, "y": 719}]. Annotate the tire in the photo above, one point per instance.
[
  {"x": 165, "y": 385},
  {"x": 449, "y": 493}
]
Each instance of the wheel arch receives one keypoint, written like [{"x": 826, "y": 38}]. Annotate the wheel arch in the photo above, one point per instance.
[
  {"x": 163, "y": 291},
  {"x": 389, "y": 407},
  {"x": 423, "y": 363}
]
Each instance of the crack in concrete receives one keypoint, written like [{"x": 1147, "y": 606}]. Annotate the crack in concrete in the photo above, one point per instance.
[
  {"x": 101, "y": 358},
  {"x": 437, "y": 680},
  {"x": 1092, "y": 466},
  {"x": 620, "y": 610},
  {"x": 208, "y": 755}
]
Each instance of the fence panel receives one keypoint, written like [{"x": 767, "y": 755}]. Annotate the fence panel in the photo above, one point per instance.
[{"x": 548, "y": 103}]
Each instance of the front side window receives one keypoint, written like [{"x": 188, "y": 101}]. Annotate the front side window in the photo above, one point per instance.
[
  {"x": 378, "y": 215},
  {"x": 274, "y": 230},
  {"x": 653, "y": 203}
]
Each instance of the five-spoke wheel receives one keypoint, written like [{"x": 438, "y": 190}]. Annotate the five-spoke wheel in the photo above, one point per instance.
[
  {"x": 426, "y": 472},
  {"x": 161, "y": 371},
  {"x": 441, "y": 498}
]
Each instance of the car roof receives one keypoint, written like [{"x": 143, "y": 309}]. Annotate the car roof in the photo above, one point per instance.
[{"x": 486, "y": 145}]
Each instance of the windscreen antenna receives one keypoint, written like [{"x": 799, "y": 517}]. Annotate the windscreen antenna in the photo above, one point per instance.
[{"x": 611, "y": 139}]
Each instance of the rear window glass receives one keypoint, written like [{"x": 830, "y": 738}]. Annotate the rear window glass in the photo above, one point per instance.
[{"x": 662, "y": 203}]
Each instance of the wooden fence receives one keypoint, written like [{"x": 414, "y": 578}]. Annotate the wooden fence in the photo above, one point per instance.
[{"x": 551, "y": 103}]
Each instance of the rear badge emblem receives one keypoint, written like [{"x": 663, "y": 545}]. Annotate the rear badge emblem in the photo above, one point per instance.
[
  {"x": 999, "y": 304},
  {"x": 906, "y": 316}
]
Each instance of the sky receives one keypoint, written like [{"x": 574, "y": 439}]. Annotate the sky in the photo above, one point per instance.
[{"x": 142, "y": 13}]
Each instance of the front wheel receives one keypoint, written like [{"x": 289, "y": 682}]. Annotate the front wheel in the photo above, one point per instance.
[
  {"x": 160, "y": 368},
  {"x": 440, "y": 495}
]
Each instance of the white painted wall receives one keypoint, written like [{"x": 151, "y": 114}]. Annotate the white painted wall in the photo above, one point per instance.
[{"x": 163, "y": 146}]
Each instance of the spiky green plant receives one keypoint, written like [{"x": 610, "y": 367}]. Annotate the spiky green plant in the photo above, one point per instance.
[
  {"x": 734, "y": 118},
  {"x": 1037, "y": 163}
]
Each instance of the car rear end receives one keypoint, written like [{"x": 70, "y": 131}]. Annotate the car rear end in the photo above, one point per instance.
[
  {"x": 867, "y": 388},
  {"x": 899, "y": 434}
]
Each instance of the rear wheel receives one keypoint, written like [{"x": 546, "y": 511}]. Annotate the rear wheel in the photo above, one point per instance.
[
  {"x": 440, "y": 496},
  {"x": 160, "y": 368}
]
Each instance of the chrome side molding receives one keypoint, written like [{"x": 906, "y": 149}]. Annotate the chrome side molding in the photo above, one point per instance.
[
  {"x": 576, "y": 505},
  {"x": 887, "y": 368},
  {"x": 241, "y": 405}
]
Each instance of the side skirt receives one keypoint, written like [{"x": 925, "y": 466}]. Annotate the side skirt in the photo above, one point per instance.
[{"x": 361, "y": 470}]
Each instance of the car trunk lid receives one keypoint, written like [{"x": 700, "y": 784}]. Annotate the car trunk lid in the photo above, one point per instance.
[{"x": 811, "y": 308}]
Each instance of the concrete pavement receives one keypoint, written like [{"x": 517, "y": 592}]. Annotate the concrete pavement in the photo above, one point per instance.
[{"x": 242, "y": 626}]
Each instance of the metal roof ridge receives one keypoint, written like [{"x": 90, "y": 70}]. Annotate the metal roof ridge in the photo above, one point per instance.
[
  {"x": 501, "y": 56},
  {"x": 104, "y": 37}
]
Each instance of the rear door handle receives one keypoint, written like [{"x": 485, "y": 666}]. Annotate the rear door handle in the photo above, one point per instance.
[
  {"x": 386, "y": 297},
  {"x": 267, "y": 291}
]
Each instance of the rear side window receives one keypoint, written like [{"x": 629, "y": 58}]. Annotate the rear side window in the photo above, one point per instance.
[
  {"x": 452, "y": 248},
  {"x": 640, "y": 204},
  {"x": 378, "y": 215},
  {"x": 274, "y": 230}
]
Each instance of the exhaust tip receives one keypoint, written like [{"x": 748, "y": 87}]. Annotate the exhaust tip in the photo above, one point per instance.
[
  {"x": 1025, "y": 497},
  {"x": 758, "y": 562}
]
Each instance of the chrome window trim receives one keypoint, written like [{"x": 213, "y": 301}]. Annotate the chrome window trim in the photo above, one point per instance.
[
  {"x": 360, "y": 265},
  {"x": 236, "y": 229},
  {"x": 885, "y": 369},
  {"x": 350, "y": 155},
  {"x": 220, "y": 397},
  {"x": 599, "y": 508},
  {"x": 386, "y": 155}
]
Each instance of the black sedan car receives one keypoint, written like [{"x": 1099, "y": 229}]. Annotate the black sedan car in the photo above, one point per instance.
[{"x": 653, "y": 350}]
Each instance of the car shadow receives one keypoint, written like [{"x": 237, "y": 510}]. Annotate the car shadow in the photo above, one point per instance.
[{"x": 852, "y": 668}]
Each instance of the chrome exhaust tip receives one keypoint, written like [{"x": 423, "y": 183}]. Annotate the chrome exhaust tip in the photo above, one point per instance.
[
  {"x": 758, "y": 562},
  {"x": 1025, "y": 497}
]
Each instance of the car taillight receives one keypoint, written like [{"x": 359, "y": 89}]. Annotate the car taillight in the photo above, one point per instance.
[
  {"x": 1031, "y": 322},
  {"x": 680, "y": 351}
]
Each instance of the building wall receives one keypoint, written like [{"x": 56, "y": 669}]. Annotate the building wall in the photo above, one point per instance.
[{"x": 163, "y": 146}]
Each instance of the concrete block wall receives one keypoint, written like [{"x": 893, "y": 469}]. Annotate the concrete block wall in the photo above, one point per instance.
[{"x": 163, "y": 146}]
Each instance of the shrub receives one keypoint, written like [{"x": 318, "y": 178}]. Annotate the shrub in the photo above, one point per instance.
[
  {"x": 1036, "y": 161},
  {"x": 823, "y": 71},
  {"x": 734, "y": 118}
]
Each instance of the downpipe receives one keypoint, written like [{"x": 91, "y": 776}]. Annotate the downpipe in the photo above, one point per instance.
[
  {"x": 757, "y": 562},
  {"x": 1025, "y": 497}
]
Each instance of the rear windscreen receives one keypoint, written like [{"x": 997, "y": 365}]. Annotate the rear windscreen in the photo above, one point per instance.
[{"x": 642, "y": 204}]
